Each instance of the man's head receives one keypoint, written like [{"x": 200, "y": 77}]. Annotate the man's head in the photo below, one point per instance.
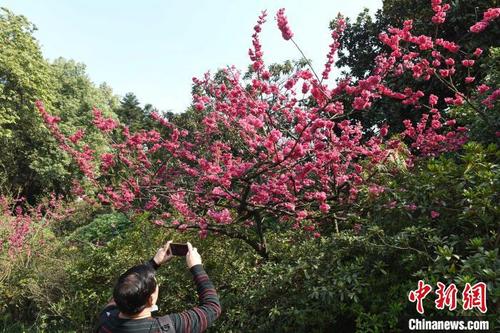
[{"x": 136, "y": 290}]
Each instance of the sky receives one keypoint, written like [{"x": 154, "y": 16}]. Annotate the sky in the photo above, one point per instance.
[{"x": 153, "y": 48}]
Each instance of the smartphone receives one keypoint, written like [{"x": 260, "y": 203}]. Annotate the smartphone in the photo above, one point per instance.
[{"x": 178, "y": 249}]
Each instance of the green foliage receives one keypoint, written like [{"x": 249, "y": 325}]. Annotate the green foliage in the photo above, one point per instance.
[
  {"x": 24, "y": 77},
  {"x": 102, "y": 229},
  {"x": 30, "y": 162},
  {"x": 131, "y": 114}
]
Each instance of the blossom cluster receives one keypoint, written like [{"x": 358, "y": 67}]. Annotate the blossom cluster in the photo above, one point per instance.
[
  {"x": 20, "y": 222},
  {"x": 488, "y": 16},
  {"x": 282, "y": 20},
  {"x": 439, "y": 11},
  {"x": 336, "y": 33},
  {"x": 260, "y": 151}
]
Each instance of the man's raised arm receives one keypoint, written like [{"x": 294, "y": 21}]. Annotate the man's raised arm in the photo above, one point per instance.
[{"x": 200, "y": 317}]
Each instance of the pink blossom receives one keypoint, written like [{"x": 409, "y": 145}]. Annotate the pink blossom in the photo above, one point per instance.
[
  {"x": 434, "y": 214},
  {"x": 478, "y": 52},
  {"x": 336, "y": 33},
  {"x": 411, "y": 207},
  {"x": 440, "y": 11},
  {"x": 199, "y": 106},
  {"x": 468, "y": 63},
  {"x": 256, "y": 53},
  {"x": 449, "y": 61},
  {"x": 305, "y": 88},
  {"x": 159, "y": 223},
  {"x": 221, "y": 217},
  {"x": 444, "y": 72},
  {"x": 384, "y": 130},
  {"x": 77, "y": 136},
  {"x": 376, "y": 190},
  {"x": 286, "y": 32},
  {"x": 104, "y": 124},
  {"x": 450, "y": 46},
  {"x": 152, "y": 203},
  {"x": 478, "y": 27},
  {"x": 107, "y": 161},
  {"x": 301, "y": 215},
  {"x": 490, "y": 100},
  {"x": 490, "y": 14},
  {"x": 324, "y": 208},
  {"x": 482, "y": 88},
  {"x": 203, "y": 234},
  {"x": 433, "y": 99}
]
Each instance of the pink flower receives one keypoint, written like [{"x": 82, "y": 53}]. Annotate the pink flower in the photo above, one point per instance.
[
  {"x": 433, "y": 99},
  {"x": 412, "y": 207},
  {"x": 159, "y": 223},
  {"x": 256, "y": 53},
  {"x": 339, "y": 28},
  {"x": 482, "y": 88},
  {"x": 203, "y": 234},
  {"x": 491, "y": 14},
  {"x": 221, "y": 217},
  {"x": 324, "y": 208},
  {"x": 199, "y": 106},
  {"x": 450, "y": 46},
  {"x": 478, "y": 27},
  {"x": 286, "y": 32},
  {"x": 434, "y": 214},
  {"x": 301, "y": 215},
  {"x": 478, "y": 52},
  {"x": 152, "y": 203},
  {"x": 104, "y": 124},
  {"x": 77, "y": 136},
  {"x": 490, "y": 100},
  {"x": 376, "y": 190},
  {"x": 384, "y": 130},
  {"x": 107, "y": 161},
  {"x": 468, "y": 63},
  {"x": 305, "y": 88},
  {"x": 320, "y": 196},
  {"x": 469, "y": 79},
  {"x": 444, "y": 72},
  {"x": 440, "y": 11}
]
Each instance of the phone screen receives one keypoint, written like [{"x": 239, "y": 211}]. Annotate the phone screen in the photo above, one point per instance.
[{"x": 178, "y": 249}]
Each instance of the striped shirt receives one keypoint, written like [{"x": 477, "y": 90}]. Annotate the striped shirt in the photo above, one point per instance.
[{"x": 194, "y": 320}]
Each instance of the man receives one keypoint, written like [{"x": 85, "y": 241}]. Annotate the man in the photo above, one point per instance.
[{"x": 136, "y": 292}]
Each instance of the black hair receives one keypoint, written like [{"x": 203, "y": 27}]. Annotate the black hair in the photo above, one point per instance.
[{"x": 133, "y": 289}]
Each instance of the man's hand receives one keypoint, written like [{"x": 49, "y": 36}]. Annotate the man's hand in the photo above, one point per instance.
[
  {"x": 193, "y": 258},
  {"x": 163, "y": 254}
]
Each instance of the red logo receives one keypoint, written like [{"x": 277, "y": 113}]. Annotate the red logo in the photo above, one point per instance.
[{"x": 472, "y": 296}]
